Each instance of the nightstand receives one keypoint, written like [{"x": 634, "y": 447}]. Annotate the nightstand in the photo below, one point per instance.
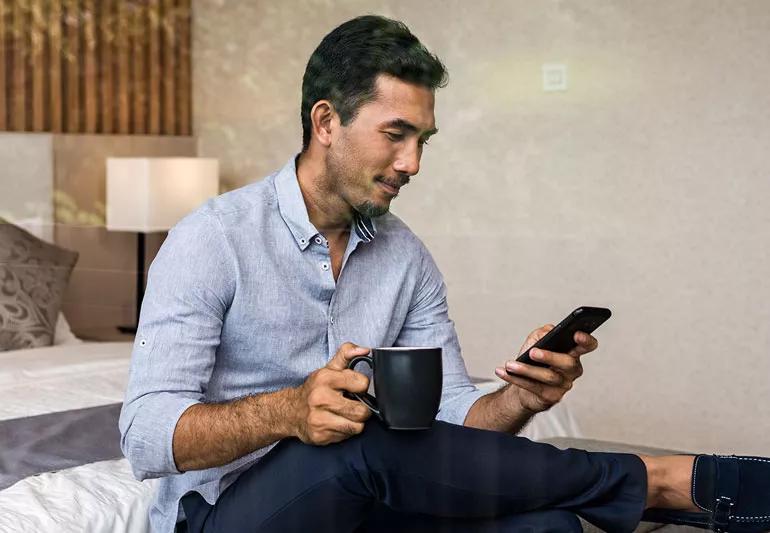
[{"x": 104, "y": 334}]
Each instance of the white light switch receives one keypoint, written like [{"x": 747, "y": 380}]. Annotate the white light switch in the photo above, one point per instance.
[{"x": 554, "y": 77}]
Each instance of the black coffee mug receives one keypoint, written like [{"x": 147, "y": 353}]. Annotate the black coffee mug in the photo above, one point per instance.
[{"x": 407, "y": 384}]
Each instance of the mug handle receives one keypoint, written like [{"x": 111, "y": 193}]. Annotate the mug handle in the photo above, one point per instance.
[{"x": 365, "y": 398}]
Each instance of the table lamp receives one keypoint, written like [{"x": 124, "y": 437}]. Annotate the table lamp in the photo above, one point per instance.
[{"x": 151, "y": 194}]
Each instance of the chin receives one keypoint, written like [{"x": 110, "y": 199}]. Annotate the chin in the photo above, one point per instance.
[{"x": 373, "y": 209}]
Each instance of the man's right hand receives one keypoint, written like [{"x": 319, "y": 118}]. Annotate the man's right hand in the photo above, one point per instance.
[{"x": 323, "y": 414}]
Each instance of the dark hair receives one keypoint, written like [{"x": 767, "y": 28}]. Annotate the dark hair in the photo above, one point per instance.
[{"x": 344, "y": 67}]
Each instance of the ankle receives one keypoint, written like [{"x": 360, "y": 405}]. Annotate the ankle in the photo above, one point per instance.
[
  {"x": 655, "y": 475},
  {"x": 669, "y": 480}
]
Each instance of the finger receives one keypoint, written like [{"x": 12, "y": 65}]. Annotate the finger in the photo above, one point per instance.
[
  {"x": 546, "y": 376},
  {"x": 345, "y": 353},
  {"x": 547, "y": 395},
  {"x": 339, "y": 436},
  {"x": 344, "y": 426},
  {"x": 332, "y": 428},
  {"x": 353, "y": 410},
  {"x": 585, "y": 343},
  {"x": 563, "y": 363},
  {"x": 348, "y": 380},
  {"x": 505, "y": 376},
  {"x": 526, "y": 384},
  {"x": 535, "y": 336}
]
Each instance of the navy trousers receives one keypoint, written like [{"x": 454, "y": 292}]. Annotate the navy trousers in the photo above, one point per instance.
[{"x": 447, "y": 478}]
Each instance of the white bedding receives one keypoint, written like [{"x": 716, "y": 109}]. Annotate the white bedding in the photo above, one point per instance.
[
  {"x": 59, "y": 378},
  {"x": 100, "y": 497}
]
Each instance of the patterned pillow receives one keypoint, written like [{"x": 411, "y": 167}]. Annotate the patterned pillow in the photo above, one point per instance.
[{"x": 33, "y": 277}]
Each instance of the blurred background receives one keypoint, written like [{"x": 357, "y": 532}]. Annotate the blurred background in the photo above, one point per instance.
[{"x": 607, "y": 153}]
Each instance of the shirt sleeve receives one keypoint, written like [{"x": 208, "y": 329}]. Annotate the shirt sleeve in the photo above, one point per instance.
[
  {"x": 190, "y": 286},
  {"x": 428, "y": 324}
]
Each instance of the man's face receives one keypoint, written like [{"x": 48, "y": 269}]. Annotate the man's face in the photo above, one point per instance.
[{"x": 380, "y": 149}]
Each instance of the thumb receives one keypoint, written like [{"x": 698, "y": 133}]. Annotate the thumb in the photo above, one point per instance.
[
  {"x": 535, "y": 336},
  {"x": 344, "y": 354}
]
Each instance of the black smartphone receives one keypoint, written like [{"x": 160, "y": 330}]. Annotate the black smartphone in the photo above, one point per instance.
[{"x": 562, "y": 338}]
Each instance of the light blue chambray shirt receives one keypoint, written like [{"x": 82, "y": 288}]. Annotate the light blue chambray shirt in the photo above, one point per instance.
[{"x": 241, "y": 300}]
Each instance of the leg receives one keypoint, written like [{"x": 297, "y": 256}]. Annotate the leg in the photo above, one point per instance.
[
  {"x": 448, "y": 471},
  {"x": 384, "y": 520}
]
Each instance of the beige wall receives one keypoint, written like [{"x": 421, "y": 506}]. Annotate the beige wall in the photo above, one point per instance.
[{"x": 643, "y": 188}]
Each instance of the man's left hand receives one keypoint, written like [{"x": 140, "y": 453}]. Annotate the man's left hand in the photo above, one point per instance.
[{"x": 540, "y": 388}]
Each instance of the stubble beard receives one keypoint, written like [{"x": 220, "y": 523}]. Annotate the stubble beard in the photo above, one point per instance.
[
  {"x": 371, "y": 210},
  {"x": 341, "y": 175}
]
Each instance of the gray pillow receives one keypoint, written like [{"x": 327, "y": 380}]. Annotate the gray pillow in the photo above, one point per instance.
[{"x": 33, "y": 277}]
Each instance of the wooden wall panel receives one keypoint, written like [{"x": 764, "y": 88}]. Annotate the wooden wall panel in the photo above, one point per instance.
[
  {"x": 3, "y": 54},
  {"x": 122, "y": 49},
  {"x": 95, "y": 66},
  {"x": 90, "y": 81},
  {"x": 154, "y": 68},
  {"x": 19, "y": 60},
  {"x": 56, "y": 123},
  {"x": 72, "y": 110},
  {"x": 106, "y": 24},
  {"x": 37, "y": 57},
  {"x": 139, "y": 72},
  {"x": 184, "y": 104},
  {"x": 169, "y": 65}
]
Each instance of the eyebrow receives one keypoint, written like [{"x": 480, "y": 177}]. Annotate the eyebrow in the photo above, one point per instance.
[{"x": 400, "y": 123}]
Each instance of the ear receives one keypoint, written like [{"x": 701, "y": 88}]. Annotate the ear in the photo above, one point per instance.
[{"x": 322, "y": 117}]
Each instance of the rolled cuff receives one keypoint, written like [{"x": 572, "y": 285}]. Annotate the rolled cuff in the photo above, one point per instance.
[{"x": 148, "y": 442}]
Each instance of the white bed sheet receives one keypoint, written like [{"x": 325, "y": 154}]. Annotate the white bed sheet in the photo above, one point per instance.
[
  {"x": 99, "y": 497},
  {"x": 59, "y": 378}
]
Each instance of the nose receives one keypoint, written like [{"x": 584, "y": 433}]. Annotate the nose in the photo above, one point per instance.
[{"x": 408, "y": 161}]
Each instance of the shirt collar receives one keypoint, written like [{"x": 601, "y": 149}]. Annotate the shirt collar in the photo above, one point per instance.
[{"x": 292, "y": 207}]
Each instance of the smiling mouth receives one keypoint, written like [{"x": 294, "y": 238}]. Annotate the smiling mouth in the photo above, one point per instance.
[
  {"x": 390, "y": 188},
  {"x": 393, "y": 191}
]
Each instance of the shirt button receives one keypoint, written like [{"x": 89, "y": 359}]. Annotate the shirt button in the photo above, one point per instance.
[
  {"x": 331, "y": 319},
  {"x": 324, "y": 266},
  {"x": 302, "y": 241},
  {"x": 318, "y": 240}
]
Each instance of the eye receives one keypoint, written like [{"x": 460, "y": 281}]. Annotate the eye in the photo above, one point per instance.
[
  {"x": 424, "y": 142},
  {"x": 395, "y": 137}
]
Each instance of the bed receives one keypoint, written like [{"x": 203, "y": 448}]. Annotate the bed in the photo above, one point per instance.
[
  {"x": 48, "y": 394},
  {"x": 53, "y": 400},
  {"x": 60, "y": 460}
]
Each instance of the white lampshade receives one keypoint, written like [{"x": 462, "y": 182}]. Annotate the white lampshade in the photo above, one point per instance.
[{"x": 152, "y": 194}]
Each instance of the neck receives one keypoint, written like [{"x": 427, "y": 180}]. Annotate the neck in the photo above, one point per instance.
[{"x": 327, "y": 210}]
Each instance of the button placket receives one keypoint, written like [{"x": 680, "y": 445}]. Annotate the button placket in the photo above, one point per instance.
[{"x": 331, "y": 309}]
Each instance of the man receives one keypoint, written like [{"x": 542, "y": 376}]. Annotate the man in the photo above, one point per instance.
[{"x": 257, "y": 301}]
